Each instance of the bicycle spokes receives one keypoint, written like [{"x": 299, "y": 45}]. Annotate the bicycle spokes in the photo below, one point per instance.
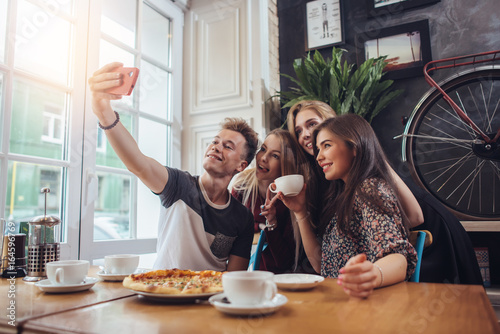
[{"x": 447, "y": 155}]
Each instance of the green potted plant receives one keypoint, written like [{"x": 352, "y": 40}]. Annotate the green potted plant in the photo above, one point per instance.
[{"x": 345, "y": 88}]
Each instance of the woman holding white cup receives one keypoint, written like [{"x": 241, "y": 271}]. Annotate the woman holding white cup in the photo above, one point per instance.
[
  {"x": 364, "y": 232},
  {"x": 279, "y": 155},
  {"x": 302, "y": 118}
]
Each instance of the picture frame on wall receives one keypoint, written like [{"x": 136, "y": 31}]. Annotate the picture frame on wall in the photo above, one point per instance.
[
  {"x": 407, "y": 47},
  {"x": 391, "y": 7},
  {"x": 324, "y": 24}
]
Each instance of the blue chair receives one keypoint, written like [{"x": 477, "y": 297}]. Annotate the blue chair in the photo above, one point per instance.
[
  {"x": 256, "y": 256},
  {"x": 419, "y": 240}
]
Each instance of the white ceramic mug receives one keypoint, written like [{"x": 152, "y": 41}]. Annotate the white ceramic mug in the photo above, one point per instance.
[
  {"x": 121, "y": 264},
  {"x": 249, "y": 287},
  {"x": 289, "y": 185},
  {"x": 67, "y": 272}
]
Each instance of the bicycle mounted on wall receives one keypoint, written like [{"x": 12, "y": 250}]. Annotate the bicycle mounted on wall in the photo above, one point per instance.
[{"x": 451, "y": 141}]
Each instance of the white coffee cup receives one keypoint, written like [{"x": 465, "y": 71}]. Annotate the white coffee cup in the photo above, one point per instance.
[
  {"x": 67, "y": 272},
  {"x": 289, "y": 185},
  {"x": 121, "y": 264},
  {"x": 249, "y": 287}
]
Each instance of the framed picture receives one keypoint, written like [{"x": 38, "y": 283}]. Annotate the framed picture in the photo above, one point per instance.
[
  {"x": 324, "y": 26},
  {"x": 406, "y": 46},
  {"x": 391, "y": 7}
]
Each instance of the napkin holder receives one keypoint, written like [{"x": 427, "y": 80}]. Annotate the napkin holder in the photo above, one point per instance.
[{"x": 13, "y": 256}]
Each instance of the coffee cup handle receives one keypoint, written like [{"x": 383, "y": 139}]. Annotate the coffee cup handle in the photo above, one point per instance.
[
  {"x": 59, "y": 275},
  {"x": 270, "y": 290},
  {"x": 273, "y": 190}
]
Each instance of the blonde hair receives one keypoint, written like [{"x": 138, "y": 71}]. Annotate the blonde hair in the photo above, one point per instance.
[
  {"x": 321, "y": 108},
  {"x": 311, "y": 171},
  {"x": 292, "y": 160}
]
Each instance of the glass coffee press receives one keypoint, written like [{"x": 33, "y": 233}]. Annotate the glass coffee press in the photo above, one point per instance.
[{"x": 43, "y": 245}]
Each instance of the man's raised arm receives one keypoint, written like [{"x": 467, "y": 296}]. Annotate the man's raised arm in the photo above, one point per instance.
[{"x": 148, "y": 170}]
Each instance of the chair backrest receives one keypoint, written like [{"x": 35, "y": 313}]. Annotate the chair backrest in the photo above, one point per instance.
[
  {"x": 419, "y": 240},
  {"x": 256, "y": 256}
]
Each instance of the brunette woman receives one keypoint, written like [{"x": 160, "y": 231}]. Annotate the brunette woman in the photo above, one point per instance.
[
  {"x": 364, "y": 230},
  {"x": 302, "y": 119}
]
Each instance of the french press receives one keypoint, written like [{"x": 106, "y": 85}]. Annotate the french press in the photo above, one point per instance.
[{"x": 43, "y": 245}]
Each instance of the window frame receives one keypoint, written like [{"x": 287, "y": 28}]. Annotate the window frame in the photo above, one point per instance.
[
  {"x": 53, "y": 118},
  {"x": 91, "y": 249},
  {"x": 71, "y": 176},
  {"x": 79, "y": 159}
]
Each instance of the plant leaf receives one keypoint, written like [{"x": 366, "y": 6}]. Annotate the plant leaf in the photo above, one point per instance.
[{"x": 343, "y": 86}]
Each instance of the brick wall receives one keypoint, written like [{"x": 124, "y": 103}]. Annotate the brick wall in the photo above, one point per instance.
[{"x": 274, "y": 66}]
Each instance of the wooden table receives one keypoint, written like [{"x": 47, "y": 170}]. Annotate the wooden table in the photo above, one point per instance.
[
  {"x": 31, "y": 303},
  {"x": 402, "y": 308}
]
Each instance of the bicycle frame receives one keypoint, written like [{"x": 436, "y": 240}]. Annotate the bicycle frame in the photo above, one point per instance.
[
  {"x": 452, "y": 146},
  {"x": 474, "y": 59}
]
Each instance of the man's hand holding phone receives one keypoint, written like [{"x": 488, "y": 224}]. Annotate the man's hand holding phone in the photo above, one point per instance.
[
  {"x": 110, "y": 82},
  {"x": 129, "y": 77}
]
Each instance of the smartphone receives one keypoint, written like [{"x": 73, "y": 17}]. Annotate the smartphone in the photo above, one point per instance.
[{"x": 129, "y": 77}]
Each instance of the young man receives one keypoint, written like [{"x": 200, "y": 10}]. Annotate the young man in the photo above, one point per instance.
[{"x": 201, "y": 227}]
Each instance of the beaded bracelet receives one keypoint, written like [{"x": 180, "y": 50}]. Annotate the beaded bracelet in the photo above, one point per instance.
[
  {"x": 381, "y": 275},
  {"x": 109, "y": 127}
]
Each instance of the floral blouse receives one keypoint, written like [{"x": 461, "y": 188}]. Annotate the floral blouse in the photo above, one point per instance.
[{"x": 377, "y": 234}]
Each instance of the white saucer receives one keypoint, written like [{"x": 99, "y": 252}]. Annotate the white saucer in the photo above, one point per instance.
[
  {"x": 220, "y": 303},
  {"x": 118, "y": 277},
  {"x": 297, "y": 281},
  {"x": 46, "y": 286}
]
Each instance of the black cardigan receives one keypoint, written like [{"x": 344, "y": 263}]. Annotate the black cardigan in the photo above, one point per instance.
[{"x": 451, "y": 257}]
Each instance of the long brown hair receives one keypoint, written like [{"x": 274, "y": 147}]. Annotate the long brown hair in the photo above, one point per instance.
[{"x": 369, "y": 162}]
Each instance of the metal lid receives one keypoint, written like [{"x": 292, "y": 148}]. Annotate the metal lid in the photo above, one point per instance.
[
  {"x": 45, "y": 220},
  {"x": 48, "y": 221}
]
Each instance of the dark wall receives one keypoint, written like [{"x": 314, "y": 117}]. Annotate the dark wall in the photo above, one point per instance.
[{"x": 457, "y": 27}]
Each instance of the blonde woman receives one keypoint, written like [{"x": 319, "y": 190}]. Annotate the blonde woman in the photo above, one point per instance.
[{"x": 279, "y": 155}]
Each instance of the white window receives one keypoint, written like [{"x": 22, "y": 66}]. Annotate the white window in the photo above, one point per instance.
[
  {"x": 49, "y": 135},
  {"x": 101, "y": 142},
  {"x": 52, "y": 125}
]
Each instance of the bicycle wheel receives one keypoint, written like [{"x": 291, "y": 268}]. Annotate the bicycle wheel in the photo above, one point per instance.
[{"x": 446, "y": 157}]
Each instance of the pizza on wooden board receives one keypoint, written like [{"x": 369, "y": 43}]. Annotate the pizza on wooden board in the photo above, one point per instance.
[{"x": 175, "y": 282}]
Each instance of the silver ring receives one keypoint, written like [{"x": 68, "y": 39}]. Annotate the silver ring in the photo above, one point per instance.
[{"x": 270, "y": 227}]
